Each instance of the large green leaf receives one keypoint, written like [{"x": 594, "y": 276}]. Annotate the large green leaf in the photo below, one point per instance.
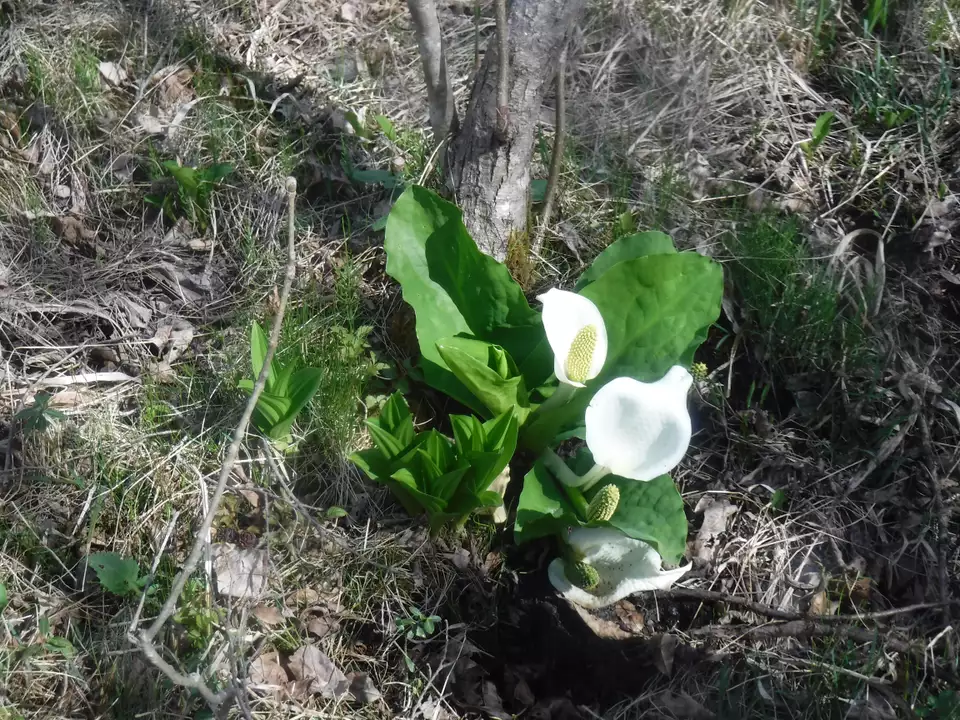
[
  {"x": 652, "y": 512},
  {"x": 544, "y": 509},
  {"x": 489, "y": 373},
  {"x": 454, "y": 288},
  {"x": 654, "y": 307},
  {"x": 627, "y": 248}
]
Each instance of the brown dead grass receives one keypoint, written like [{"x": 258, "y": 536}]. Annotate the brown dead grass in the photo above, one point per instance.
[{"x": 683, "y": 111}]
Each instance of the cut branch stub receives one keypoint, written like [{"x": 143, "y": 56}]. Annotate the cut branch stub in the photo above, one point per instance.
[{"x": 491, "y": 178}]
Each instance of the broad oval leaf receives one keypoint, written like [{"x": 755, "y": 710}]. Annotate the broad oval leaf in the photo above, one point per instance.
[
  {"x": 626, "y": 248},
  {"x": 654, "y": 308}
]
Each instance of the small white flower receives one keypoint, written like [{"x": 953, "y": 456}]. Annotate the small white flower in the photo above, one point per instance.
[
  {"x": 640, "y": 430},
  {"x": 576, "y": 334},
  {"x": 625, "y": 566}
]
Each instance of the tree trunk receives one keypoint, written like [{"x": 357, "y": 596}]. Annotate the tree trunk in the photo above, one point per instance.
[{"x": 490, "y": 170}]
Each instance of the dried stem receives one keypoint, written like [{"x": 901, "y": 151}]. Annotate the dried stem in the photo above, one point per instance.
[
  {"x": 557, "y": 158},
  {"x": 145, "y": 641},
  {"x": 503, "y": 71}
]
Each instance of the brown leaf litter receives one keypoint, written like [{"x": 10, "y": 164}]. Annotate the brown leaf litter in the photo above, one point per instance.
[
  {"x": 314, "y": 672},
  {"x": 240, "y": 573}
]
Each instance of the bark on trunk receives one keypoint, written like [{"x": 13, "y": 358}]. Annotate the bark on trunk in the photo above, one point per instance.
[{"x": 491, "y": 178}]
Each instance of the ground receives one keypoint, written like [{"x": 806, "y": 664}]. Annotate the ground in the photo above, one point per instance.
[{"x": 821, "y": 484}]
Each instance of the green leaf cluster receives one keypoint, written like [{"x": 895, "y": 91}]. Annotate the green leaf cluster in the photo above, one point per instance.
[
  {"x": 37, "y": 417},
  {"x": 483, "y": 345},
  {"x": 194, "y": 188},
  {"x": 117, "y": 574},
  {"x": 430, "y": 473},
  {"x": 286, "y": 392}
]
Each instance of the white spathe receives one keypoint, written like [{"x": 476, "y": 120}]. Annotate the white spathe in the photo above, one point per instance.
[
  {"x": 626, "y": 566},
  {"x": 640, "y": 430},
  {"x": 565, "y": 316}
]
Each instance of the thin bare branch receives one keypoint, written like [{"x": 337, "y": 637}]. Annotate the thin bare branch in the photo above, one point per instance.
[
  {"x": 711, "y": 596},
  {"x": 556, "y": 160},
  {"x": 145, "y": 641},
  {"x": 433, "y": 55}
]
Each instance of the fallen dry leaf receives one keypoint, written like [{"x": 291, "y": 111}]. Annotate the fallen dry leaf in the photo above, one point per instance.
[
  {"x": 715, "y": 511},
  {"x": 492, "y": 703},
  {"x": 150, "y": 124},
  {"x": 683, "y": 706},
  {"x": 176, "y": 88},
  {"x": 312, "y": 667},
  {"x": 460, "y": 559},
  {"x": 72, "y": 230},
  {"x": 266, "y": 672},
  {"x": 268, "y": 615},
  {"x": 820, "y": 604},
  {"x": 240, "y": 573},
  {"x": 322, "y": 626},
  {"x": 522, "y": 693},
  {"x": 363, "y": 689},
  {"x": 113, "y": 73},
  {"x": 303, "y": 596},
  {"x": 172, "y": 337},
  {"x": 663, "y": 655},
  {"x": 630, "y": 618}
]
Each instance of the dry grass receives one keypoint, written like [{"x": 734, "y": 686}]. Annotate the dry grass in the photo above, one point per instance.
[{"x": 686, "y": 117}]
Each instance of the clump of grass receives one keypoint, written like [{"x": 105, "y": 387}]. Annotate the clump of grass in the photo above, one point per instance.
[
  {"x": 67, "y": 79},
  {"x": 790, "y": 300}
]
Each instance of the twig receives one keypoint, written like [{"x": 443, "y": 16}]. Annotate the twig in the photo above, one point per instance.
[
  {"x": 892, "y": 443},
  {"x": 556, "y": 160},
  {"x": 168, "y": 531},
  {"x": 777, "y": 613},
  {"x": 170, "y": 605},
  {"x": 803, "y": 629},
  {"x": 503, "y": 72},
  {"x": 280, "y": 477}
]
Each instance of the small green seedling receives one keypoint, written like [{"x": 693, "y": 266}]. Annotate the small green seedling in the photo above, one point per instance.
[
  {"x": 386, "y": 126},
  {"x": 821, "y": 129},
  {"x": 195, "y": 187},
  {"x": 117, "y": 574},
  {"x": 335, "y": 512},
  {"x": 417, "y": 626},
  {"x": 53, "y": 644},
  {"x": 778, "y": 501},
  {"x": 286, "y": 393},
  {"x": 37, "y": 417}
]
